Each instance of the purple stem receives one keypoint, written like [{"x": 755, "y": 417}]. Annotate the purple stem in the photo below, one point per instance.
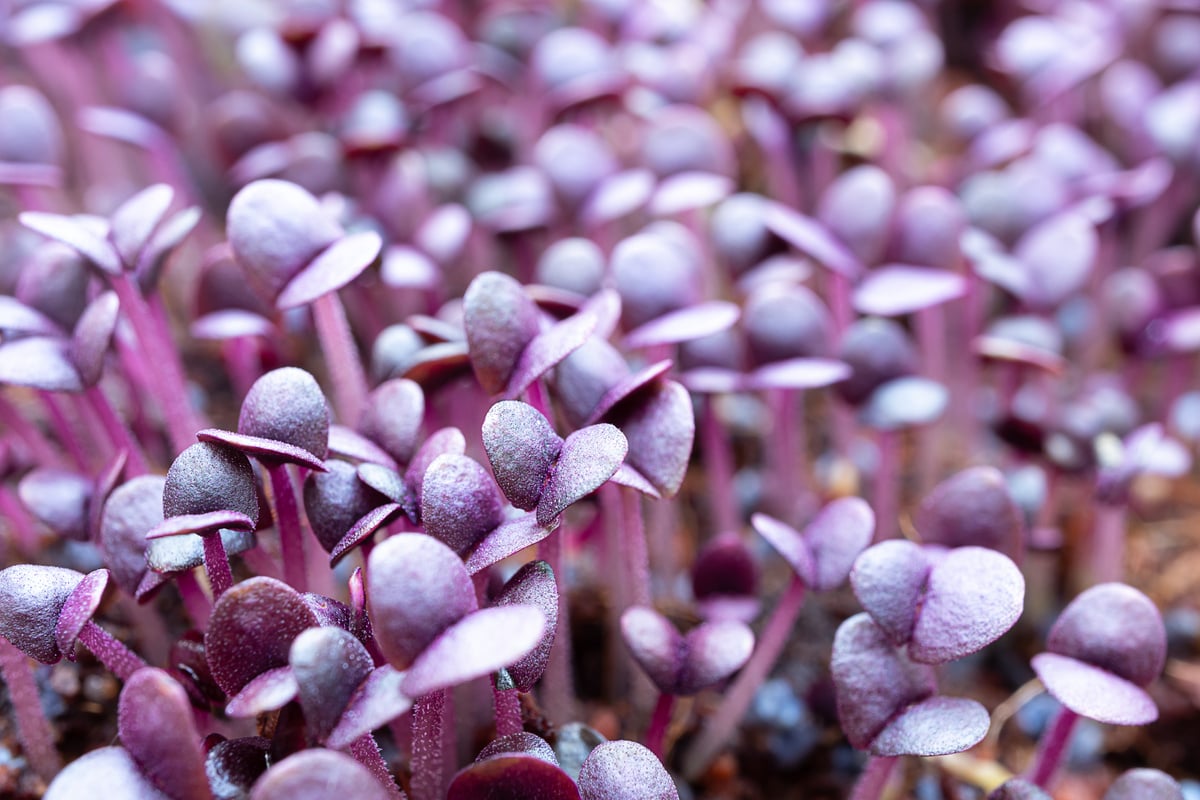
[
  {"x": 120, "y": 660},
  {"x": 242, "y": 362},
  {"x": 656, "y": 733},
  {"x": 37, "y": 738},
  {"x": 366, "y": 752},
  {"x": 66, "y": 432},
  {"x": 716, "y": 733},
  {"x": 43, "y": 452},
  {"x": 1052, "y": 747},
  {"x": 718, "y": 462},
  {"x": 637, "y": 561},
  {"x": 118, "y": 432},
  {"x": 558, "y": 690},
  {"x": 886, "y": 490},
  {"x": 197, "y": 604},
  {"x": 21, "y": 525},
  {"x": 287, "y": 520},
  {"x": 427, "y": 762},
  {"x": 341, "y": 356},
  {"x": 216, "y": 564},
  {"x": 181, "y": 419},
  {"x": 507, "y": 703},
  {"x": 784, "y": 446},
  {"x": 1108, "y": 542},
  {"x": 874, "y": 778}
]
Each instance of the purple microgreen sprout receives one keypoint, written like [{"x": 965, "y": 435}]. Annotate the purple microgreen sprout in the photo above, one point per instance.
[
  {"x": 620, "y": 769},
  {"x": 309, "y": 774},
  {"x": 1144, "y": 784},
  {"x": 821, "y": 558},
  {"x": 533, "y": 584},
  {"x": 1107, "y": 644},
  {"x": 159, "y": 732},
  {"x": 293, "y": 248},
  {"x": 682, "y": 665},
  {"x": 972, "y": 507},
  {"x": 514, "y": 766},
  {"x": 725, "y": 580},
  {"x": 888, "y": 705},
  {"x": 1018, "y": 789},
  {"x": 110, "y": 767}
]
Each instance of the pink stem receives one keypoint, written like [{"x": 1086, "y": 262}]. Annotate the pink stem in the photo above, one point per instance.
[
  {"x": 656, "y": 733},
  {"x": 874, "y": 778},
  {"x": 39, "y": 447},
  {"x": 427, "y": 747},
  {"x": 637, "y": 561},
  {"x": 1108, "y": 542},
  {"x": 197, "y": 604},
  {"x": 216, "y": 564},
  {"x": 181, "y": 419},
  {"x": 718, "y": 461},
  {"x": 118, "y": 432},
  {"x": 1052, "y": 747},
  {"x": 557, "y": 685},
  {"x": 22, "y": 526},
  {"x": 120, "y": 660},
  {"x": 366, "y": 752},
  {"x": 66, "y": 432},
  {"x": 886, "y": 494},
  {"x": 341, "y": 357},
  {"x": 287, "y": 520},
  {"x": 507, "y": 703},
  {"x": 37, "y": 738},
  {"x": 242, "y": 362},
  {"x": 715, "y": 734}
]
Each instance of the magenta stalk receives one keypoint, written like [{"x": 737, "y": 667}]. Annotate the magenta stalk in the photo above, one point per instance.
[
  {"x": 341, "y": 354},
  {"x": 507, "y": 704},
  {"x": 557, "y": 686},
  {"x": 874, "y": 778},
  {"x": 1052, "y": 747},
  {"x": 287, "y": 519},
  {"x": 120, "y": 660},
  {"x": 216, "y": 564},
  {"x": 118, "y": 432},
  {"x": 718, "y": 462},
  {"x": 719, "y": 728},
  {"x": 366, "y": 752},
  {"x": 196, "y": 602},
  {"x": 1108, "y": 543},
  {"x": 37, "y": 739},
  {"x": 656, "y": 733},
  {"x": 428, "y": 767},
  {"x": 886, "y": 488}
]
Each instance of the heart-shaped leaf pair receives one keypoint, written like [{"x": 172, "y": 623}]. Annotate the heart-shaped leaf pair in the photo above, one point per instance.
[
  {"x": 1107, "y": 644},
  {"x": 823, "y": 555},
  {"x": 421, "y": 602},
  {"x": 685, "y": 664},
  {"x": 523, "y": 766},
  {"x": 972, "y": 507},
  {"x": 888, "y": 705},
  {"x": 943, "y": 604},
  {"x": 59, "y": 363},
  {"x": 536, "y": 469},
  {"x": 310, "y": 774},
  {"x": 158, "y": 729}
]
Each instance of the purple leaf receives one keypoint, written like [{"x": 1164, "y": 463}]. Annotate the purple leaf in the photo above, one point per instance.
[
  {"x": 157, "y": 728},
  {"x": 1057, "y": 257},
  {"x": 660, "y": 430},
  {"x": 784, "y": 321},
  {"x": 713, "y": 652},
  {"x": 210, "y": 477},
  {"x": 798, "y": 373},
  {"x": 16, "y": 317},
  {"x": 445, "y": 441},
  {"x": 416, "y": 589},
  {"x": 317, "y": 774},
  {"x": 459, "y": 502},
  {"x": 287, "y": 405},
  {"x": 331, "y": 269},
  {"x": 938, "y": 726},
  {"x": 687, "y": 191},
  {"x": 200, "y": 524},
  {"x": 393, "y": 416},
  {"x": 973, "y": 596},
  {"x": 335, "y": 500},
  {"x": 275, "y": 229},
  {"x": 57, "y": 498},
  {"x": 234, "y": 765},
  {"x": 973, "y": 507},
  {"x": 655, "y": 644},
  {"x": 477, "y": 645},
  {"x": 725, "y": 579},
  {"x": 92, "y": 335},
  {"x": 628, "y": 384},
  {"x": 835, "y": 538},
  {"x": 522, "y": 448},
  {"x": 376, "y": 702},
  {"x": 31, "y": 599},
  {"x": 685, "y": 324},
  {"x": 620, "y": 770},
  {"x": 78, "y": 611},
  {"x": 500, "y": 320},
  {"x": 508, "y": 538},
  {"x": 904, "y": 403},
  {"x": 788, "y": 542},
  {"x": 39, "y": 363},
  {"x": 1144, "y": 784},
  {"x": 135, "y": 220},
  {"x": 618, "y": 196},
  {"x": 811, "y": 238},
  {"x": 133, "y": 508},
  {"x": 1114, "y": 627},
  {"x": 329, "y": 664},
  {"x": 348, "y": 444},
  {"x": 269, "y": 691},
  {"x": 512, "y": 776},
  {"x": 109, "y": 767},
  {"x": 588, "y": 459},
  {"x": 1018, "y": 789},
  {"x": 1093, "y": 692},
  {"x": 76, "y": 235},
  {"x": 857, "y": 209},
  {"x": 184, "y": 551},
  {"x": 533, "y": 584},
  {"x": 874, "y": 680},
  {"x": 889, "y": 580},
  {"x": 251, "y": 629},
  {"x": 231, "y": 323},
  {"x": 550, "y": 347},
  {"x": 897, "y": 289}
]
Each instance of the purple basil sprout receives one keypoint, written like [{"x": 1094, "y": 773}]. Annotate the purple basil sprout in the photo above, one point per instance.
[
  {"x": 972, "y": 507},
  {"x": 31, "y": 148},
  {"x": 681, "y": 665},
  {"x": 284, "y": 419},
  {"x": 426, "y": 620},
  {"x": 533, "y": 584},
  {"x": 821, "y": 558},
  {"x": 942, "y": 604},
  {"x": 310, "y": 774},
  {"x": 110, "y": 767},
  {"x": 889, "y": 706},
  {"x": 158, "y": 730},
  {"x": 299, "y": 255},
  {"x": 1107, "y": 644},
  {"x": 47, "y": 610},
  {"x": 128, "y": 250},
  {"x": 725, "y": 580},
  {"x": 210, "y": 487},
  {"x": 1150, "y": 784}
]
